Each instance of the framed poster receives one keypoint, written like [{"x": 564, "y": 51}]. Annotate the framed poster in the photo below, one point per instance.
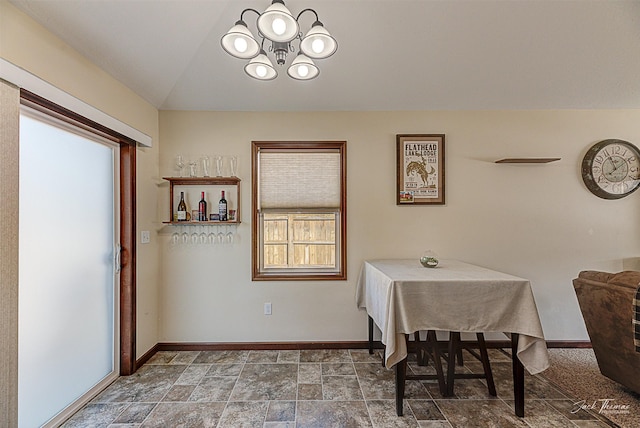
[{"x": 420, "y": 167}]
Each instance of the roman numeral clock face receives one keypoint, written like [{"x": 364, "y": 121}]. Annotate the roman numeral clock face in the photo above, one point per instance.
[{"x": 611, "y": 169}]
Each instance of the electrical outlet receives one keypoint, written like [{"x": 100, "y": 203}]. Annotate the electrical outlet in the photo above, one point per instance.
[
  {"x": 145, "y": 237},
  {"x": 267, "y": 308}
]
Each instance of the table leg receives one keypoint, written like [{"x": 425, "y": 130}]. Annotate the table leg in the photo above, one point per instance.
[
  {"x": 518, "y": 377},
  {"x": 370, "y": 335},
  {"x": 401, "y": 373}
]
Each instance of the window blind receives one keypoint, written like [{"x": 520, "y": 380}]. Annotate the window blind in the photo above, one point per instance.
[{"x": 290, "y": 179}]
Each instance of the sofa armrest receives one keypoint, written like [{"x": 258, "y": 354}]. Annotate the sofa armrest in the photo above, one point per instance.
[
  {"x": 595, "y": 275},
  {"x": 626, "y": 279},
  {"x": 629, "y": 278}
]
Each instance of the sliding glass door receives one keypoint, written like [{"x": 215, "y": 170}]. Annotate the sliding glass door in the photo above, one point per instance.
[{"x": 68, "y": 282}]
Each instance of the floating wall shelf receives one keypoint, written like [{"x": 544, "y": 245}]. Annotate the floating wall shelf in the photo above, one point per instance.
[{"x": 527, "y": 160}]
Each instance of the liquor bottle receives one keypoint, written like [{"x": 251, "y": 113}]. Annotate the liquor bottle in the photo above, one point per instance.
[
  {"x": 182, "y": 208},
  {"x": 202, "y": 209},
  {"x": 222, "y": 208}
]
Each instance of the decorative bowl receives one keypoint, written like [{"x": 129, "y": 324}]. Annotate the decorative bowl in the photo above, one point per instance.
[{"x": 429, "y": 259}]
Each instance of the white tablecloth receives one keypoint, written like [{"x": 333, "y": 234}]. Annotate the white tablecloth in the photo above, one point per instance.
[{"x": 403, "y": 297}]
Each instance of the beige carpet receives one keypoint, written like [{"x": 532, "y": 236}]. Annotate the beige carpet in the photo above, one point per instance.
[{"x": 576, "y": 372}]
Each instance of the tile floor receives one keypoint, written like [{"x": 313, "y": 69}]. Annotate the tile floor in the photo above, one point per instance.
[{"x": 315, "y": 388}]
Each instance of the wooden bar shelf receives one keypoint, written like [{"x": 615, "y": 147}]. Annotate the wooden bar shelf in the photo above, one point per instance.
[
  {"x": 204, "y": 181},
  {"x": 527, "y": 160}
]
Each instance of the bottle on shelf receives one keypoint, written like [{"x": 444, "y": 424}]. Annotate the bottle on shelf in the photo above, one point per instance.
[
  {"x": 202, "y": 209},
  {"x": 222, "y": 208},
  {"x": 182, "y": 208}
]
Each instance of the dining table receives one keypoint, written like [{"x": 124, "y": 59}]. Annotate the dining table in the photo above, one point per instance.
[{"x": 402, "y": 297}]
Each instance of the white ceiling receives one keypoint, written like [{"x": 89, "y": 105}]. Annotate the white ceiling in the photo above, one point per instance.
[{"x": 392, "y": 54}]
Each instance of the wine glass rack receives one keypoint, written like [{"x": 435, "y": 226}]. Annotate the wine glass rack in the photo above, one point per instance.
[{"x": 204, "y": 181}]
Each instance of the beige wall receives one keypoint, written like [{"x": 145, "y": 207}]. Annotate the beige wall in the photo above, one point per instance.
[
  {"x": 28, "y": 45},
  {"x": 535, "y": 221}
]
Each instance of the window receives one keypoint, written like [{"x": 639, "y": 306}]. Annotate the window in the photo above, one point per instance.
[{"x": 299, "y": 210}]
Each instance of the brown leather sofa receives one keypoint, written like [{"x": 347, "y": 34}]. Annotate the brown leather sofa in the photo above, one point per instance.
[{"x": 606, "y": 302}]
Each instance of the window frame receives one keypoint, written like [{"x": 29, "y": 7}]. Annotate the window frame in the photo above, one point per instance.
[{"x": 292, "y": 274}]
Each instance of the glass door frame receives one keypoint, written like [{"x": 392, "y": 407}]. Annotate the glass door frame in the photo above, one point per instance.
[{"x": 127, "y": 184}]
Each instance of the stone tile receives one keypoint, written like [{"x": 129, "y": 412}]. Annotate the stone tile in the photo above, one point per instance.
[
  {"x": 288, "y": 424},
  {"x": 262, "y": 357},
  {"x": 467, "y": 389},
  {"x": 429, "y": 369},
  {"x": 414, "y": 389},
  {"x": 338, "y": 369},
  {"x": 96, "y": 414},
  {"x": 229, "y": 369},
  {"x": 570, "y": 409},
  {"x": 374, "y": 371},
  {"x": 341, "y": 388},
  {"x": 434, "y": 424},
  {"x": 321, "y": 414},
  {"x": 185, "y": 357},
  {"x": 376, "y": 382},
  {"x": 591, "y": 424},
  {"x": 537, "y": 413},
  {"x": 325, "y": 356},
  {"x": 479, "y": 413},
  {"x": 220, "y": 357},
  {"x": 244, "y": 414},
  {"x": 383, "y": 414},
  {"x": 213, "y": 388},
  {"x": 192, "y": 388},
  {"x": 149, "y": 384},
  {"x": 179, "y": 393},
  {"x": 193, "y": 374},
  {"x": 309, "y": 391},
  {"x": 363, "y": 356},
  {"x": 535, "y": 387},
  {"x": 373, "y": 389},
  {"x": 266, "y": 382},
  {"x": 162, "y": 357},
  {"x": 426, "y": 410},
  {"x": 136, "y": 413},
  {"x": 185, "y": 415},
  {"x": 309, "y": 373},
  {"x": 499, "y": 355},
  {"x": 281, "y": 411},
  {"x": 289, "y": 356}
]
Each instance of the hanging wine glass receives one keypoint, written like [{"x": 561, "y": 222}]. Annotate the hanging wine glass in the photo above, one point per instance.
[
  {"x": 212, "y": 236},
  {"x": 220, "y": 236},
  {"x": 194, "y": 236},
  {"x": 203, "y": 236},
  {"x": 175, "y": 237},
  {"x": 229, "y": 236},
  {"x": 185, "y": 236}
]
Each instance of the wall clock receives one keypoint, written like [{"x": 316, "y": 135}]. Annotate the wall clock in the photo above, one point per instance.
[{"x": 611, "y": 169}]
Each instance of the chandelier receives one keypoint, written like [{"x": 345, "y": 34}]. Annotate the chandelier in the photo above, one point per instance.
[{"x": 277, "y": 26}]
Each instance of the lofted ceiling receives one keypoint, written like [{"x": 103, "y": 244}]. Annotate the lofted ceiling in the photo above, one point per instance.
[{"x": 392, "y": 54}]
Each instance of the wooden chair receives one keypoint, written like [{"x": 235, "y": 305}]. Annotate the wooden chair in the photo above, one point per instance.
[{"x": 451, "y": 351}]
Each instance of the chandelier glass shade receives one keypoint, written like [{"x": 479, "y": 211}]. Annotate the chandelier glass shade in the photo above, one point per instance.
[{"x": 279, "y": 28}]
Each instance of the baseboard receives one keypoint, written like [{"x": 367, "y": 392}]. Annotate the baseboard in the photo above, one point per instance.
[
  {"x": 568, "y": 344},
  {"x": 147, "y": 356},
  {"x": 280, "y": 346},
  {"x": 260, "y": 346}
]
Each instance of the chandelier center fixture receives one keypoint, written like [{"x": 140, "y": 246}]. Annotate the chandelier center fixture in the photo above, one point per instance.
[{"x": 277, "y": 26}]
